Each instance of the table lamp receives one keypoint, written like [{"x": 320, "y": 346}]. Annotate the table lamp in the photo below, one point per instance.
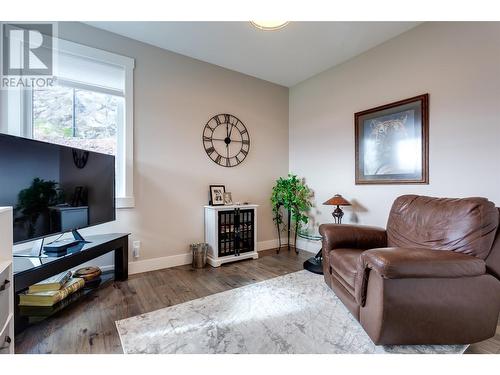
[{"x": 337, "y": 200}]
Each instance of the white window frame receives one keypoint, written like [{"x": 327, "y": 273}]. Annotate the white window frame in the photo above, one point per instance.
[{"x": 125, "y": 134}]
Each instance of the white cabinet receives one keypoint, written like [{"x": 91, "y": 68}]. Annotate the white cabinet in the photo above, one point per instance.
[
  {"x": 6, "y": 283},
  {"x": 231, "y": 233}
]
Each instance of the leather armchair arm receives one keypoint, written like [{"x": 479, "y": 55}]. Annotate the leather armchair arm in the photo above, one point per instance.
[
  {"x": 401, "y": 263},
  {"x": 352, "y": 236}
]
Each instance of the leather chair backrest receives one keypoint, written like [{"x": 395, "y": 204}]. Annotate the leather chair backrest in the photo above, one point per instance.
[
  {"x": 466, "y": 225},
  {"x": 493, "y": 259}
]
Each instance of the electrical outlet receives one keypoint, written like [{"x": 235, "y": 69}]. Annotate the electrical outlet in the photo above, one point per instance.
[{"x": 136, "y": 248}]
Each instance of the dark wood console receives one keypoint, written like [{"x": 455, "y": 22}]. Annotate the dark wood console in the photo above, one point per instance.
[{"x": 31, "y": 270}]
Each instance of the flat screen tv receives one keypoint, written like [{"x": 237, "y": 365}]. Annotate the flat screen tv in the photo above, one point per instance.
[{"x": 54, "y": 189}]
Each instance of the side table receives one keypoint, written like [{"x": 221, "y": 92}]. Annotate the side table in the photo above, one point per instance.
[{"x": 315, "y": 263}]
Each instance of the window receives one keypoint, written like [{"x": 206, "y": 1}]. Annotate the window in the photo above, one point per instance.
[
  {"x": 77, "y": 118},
  {"x": 90, "y": 107}
]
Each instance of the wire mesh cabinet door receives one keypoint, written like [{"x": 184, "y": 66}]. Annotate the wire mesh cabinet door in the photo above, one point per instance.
[
  {"x": 227, "y": 233},
  {"x": 245, "y": 231},
  {"x": 236, "y": 231}
]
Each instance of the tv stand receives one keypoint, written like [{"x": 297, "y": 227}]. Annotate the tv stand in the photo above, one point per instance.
[{"x": 29, "y": 271}]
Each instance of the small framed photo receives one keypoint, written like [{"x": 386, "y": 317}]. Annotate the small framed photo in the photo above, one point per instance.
[
  {"x": 228, "y": 199},
  {"x": 217, "y": 195},
  {"x": 392, "y": 143}
]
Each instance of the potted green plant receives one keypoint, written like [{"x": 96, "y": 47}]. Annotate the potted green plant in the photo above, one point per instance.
[{"x": 292, "y": 195}]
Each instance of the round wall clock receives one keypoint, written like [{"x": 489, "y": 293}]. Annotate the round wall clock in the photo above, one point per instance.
[{"x": 226, "y": 140}]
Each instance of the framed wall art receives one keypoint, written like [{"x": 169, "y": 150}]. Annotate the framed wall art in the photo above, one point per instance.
[
  {"x": 392, "y": 143},
  {"x": 217, "y": 195}
]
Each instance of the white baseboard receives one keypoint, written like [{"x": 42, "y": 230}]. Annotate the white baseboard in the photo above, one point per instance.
[
  {"x": 146, "y": 265},
  {"x": 153, "y": 264},
  {"x": 309, "y": 246},
  {"x": 302, "y": 244},
  {"x": 107, "y": 268},
  {"x": 271, "y": 244}
]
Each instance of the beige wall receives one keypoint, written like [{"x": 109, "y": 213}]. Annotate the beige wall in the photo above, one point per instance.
[
  {"x": 458, "y": 64},
  {"x": 174, "y": 98}
]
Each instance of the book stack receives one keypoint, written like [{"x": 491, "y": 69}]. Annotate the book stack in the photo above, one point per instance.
[
  {"x": 51, "y": 291},
  {"x": 35, "y": 314}
]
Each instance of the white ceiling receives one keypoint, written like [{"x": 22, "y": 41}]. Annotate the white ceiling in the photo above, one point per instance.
[{"x": 286, "y": 56}]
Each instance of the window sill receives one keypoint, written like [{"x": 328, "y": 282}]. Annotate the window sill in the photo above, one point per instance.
[{"x": 125, "y": 202}]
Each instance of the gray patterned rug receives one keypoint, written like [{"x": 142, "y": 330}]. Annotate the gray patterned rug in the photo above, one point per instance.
[{"x": 295, "y": 313}]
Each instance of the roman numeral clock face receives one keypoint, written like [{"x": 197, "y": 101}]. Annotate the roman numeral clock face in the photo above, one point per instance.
[{"x": 226, "y": 140}]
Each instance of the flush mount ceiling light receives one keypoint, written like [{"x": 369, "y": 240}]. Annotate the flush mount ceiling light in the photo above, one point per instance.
[{"x": 269, "y": 25}]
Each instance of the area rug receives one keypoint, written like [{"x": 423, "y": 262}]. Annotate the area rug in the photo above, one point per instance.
[{"x": 295, "y": 313}]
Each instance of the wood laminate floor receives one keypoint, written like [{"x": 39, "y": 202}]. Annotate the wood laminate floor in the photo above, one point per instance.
[{"x": 89, "y": 326}]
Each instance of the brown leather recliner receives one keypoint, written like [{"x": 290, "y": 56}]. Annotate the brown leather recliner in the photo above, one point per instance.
[{"x": 432, "y": 277}]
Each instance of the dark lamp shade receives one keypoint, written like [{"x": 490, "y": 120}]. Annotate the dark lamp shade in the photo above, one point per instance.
[{"x": 337, "y": 200}]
